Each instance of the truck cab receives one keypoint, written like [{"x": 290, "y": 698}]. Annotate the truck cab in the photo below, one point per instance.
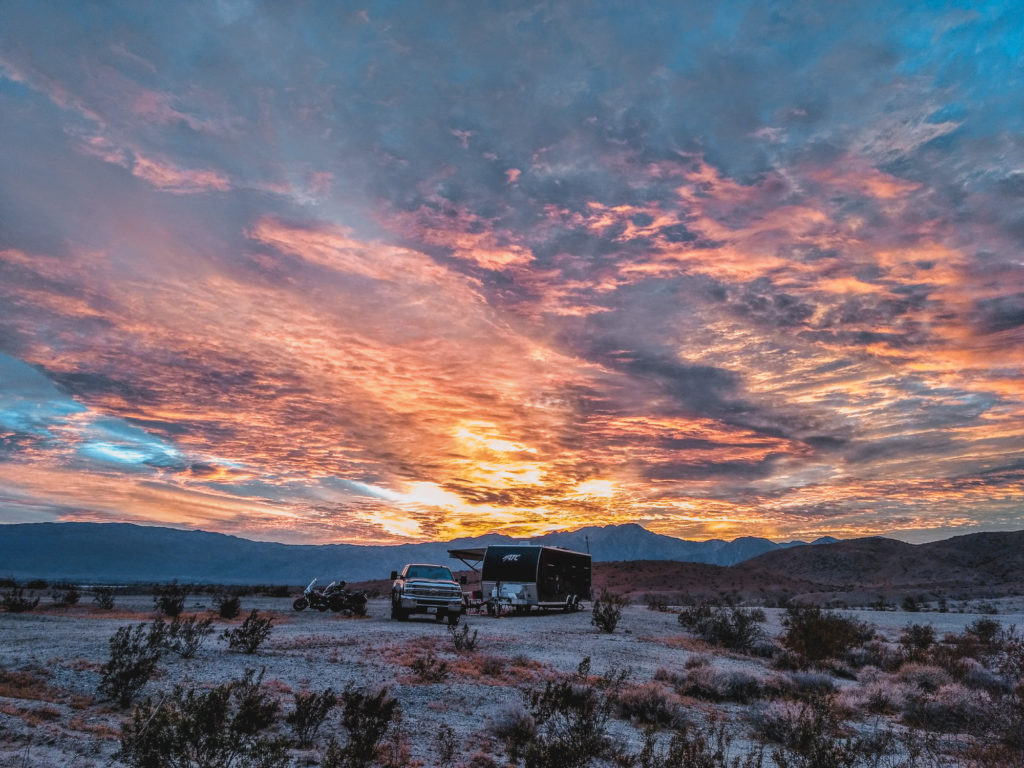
[{"x": 426, "y": 589}]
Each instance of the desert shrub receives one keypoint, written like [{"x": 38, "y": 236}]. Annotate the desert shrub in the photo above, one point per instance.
[
  {"x": 810, "y": 736},
  {"x": 813, "y": 635},
  {"x": 492, "y": 666},
  {"x": 714, "y": 684},
  {"x": 514, "y": 728},
  {"x": 976, "y": 675},
  {"x": 228, "y": 605},
  {"x": 689, "y": 747},
  {"x": 910, "y": 604},
  {"x": 224, "y": 726},
  {"x": 924, "y": 677},
  {"x": 874, "y": 653},
  {"x": 66, "y": 594},
  {"x": 185, "y": 636},
  {"x": 607, "y": 611},
  {"x": 428, "y": 668},
  {"x": 134, "y": 655},
  {"x": 169, "y": 599},
  {"x": 277, "y": 590},
  {"x": 15, "y": 600},
  {"x": 462, "y": 638},
  {"x": 311, "y": 709},
  {"x": 985, "y": 630},
  {"x": 366, "y": 718},
  {"x": 103, "y": 597},
  {"x": 809, "y": 684},
  {"x": 656, "y": 602},
  {"x": 647, "y": 704},
  {"x": 250, "y": 634},
  {"x": 446, "y": 746},
  {"x": 570, "y": 717},
  {"x": 729, "y": 627},
  {"x": 916, "y": 640},
  {"x": 37, "y": 585},
  {"x": 953, "y": 708}
]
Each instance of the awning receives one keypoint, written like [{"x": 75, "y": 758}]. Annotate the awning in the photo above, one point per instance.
[{"x": 471, "y": 557}]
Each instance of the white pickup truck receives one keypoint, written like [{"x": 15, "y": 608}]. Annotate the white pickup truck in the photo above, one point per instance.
[{"x": 425, "y": 588}]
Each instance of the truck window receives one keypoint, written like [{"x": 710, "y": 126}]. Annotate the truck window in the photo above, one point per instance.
[{"x": 429, "y": 572}]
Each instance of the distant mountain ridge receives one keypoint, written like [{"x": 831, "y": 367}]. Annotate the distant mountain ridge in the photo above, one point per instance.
[{"x": 124, "y": 552}]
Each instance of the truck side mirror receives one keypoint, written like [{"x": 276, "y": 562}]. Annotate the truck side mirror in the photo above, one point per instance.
[
  {"x": 394, "y": 575},
  {"x": 462, "y": 579}
]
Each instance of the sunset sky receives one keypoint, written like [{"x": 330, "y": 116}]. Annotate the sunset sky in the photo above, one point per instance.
[{"x": 376, "y": 272}]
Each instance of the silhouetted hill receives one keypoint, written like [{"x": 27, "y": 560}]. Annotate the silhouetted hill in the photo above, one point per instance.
[{"x": 122, "y": 552}]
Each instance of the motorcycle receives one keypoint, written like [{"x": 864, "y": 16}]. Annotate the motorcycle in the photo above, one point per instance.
[
  {"x": 319, "y": 598},
  {"x": 350, "y": 603},
  {"x": 333, "y": 597}
]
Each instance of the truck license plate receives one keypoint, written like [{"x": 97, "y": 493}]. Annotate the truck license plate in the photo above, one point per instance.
[{"x": 432, "y": 609}]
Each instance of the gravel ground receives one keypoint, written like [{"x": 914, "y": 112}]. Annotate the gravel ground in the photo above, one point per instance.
[{"x": 65, "y": 724}]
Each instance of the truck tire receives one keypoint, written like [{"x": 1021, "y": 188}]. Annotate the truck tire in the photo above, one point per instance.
[
  {"x": 453, "y": 619},
  {"x": 397, "y": 612}
]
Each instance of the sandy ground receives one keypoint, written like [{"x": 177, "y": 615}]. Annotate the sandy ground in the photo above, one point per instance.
[{"x": 65, "y": 724}]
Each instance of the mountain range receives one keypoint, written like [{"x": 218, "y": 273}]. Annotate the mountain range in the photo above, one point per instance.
[{"x": 123, "y": 552}]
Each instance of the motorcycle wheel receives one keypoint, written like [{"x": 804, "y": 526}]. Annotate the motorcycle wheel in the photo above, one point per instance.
[
  {"x": 337, "y": 605},
  {"x": 300, "y": 604},
  {"x": 360, "y": 610},
  {"x": 321, "y": 608}
]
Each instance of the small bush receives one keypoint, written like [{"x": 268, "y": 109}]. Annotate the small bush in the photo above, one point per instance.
[
  {"x": 224, "y": 726},
  {"x": 185, "y": 636},
  {"x": 656, "y": 602},
  {"x": 228, "y": 605},
  {"x": 924, "y": 677},
  {"x": 985, "y": 630},
  {"x": 692, "y": 748},
  {"x": 37, "y": 585},
  {"x": 462, "y": 638},
  {"x": 311, "y": 709},
  {"x": 103, "y": 597},
  {"x": 446, "y": 746},
  {"x": 134, "y": 655},
  {"x": 570, "y": 717},
  {"x": 15, "y": 601},
  {"x": 169, "y": 599},
  {"x": 916, "y": 640},
  {"x": 714, "y": 684},
  {"x": 815, "y": 635},
  {"x": 811, "y": 736},
  {"x": 429, "y": 669},
  {"x": 647, "y": 704},
  {"x": 250, "y": 634},
  {"x": 734, "y": 628},
  {"x": 67, "y": 594},
  {"x": 952, "y": 708},
  {"x": 366, "y": 718},
  {"x": 607, "y": 611}
]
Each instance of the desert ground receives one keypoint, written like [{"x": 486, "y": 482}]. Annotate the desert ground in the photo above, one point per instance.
[{"x": 51, "y": 659}]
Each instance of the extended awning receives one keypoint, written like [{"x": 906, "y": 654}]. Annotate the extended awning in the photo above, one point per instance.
[{"x": 471, "y": 557}]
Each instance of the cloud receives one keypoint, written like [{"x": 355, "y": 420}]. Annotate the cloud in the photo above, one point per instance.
[{"x": 719, "y": 268}]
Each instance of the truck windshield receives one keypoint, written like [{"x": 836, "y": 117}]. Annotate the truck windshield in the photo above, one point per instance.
[{"x": 428, "y": 572}]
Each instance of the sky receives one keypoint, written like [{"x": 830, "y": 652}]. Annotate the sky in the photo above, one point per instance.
[{"x": 383, "y": 272}]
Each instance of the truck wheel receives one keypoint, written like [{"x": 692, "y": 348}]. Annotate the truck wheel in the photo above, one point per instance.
[
  {"x": 300, "y": 604},
  {"x": 397, "y": 613},
  {"x": 453, "y": 619}
]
